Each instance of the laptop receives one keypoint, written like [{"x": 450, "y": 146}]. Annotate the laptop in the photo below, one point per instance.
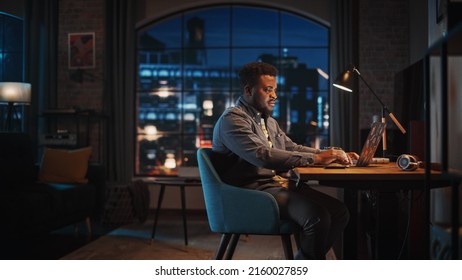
[
  {"x": 371, "y": 144},
  {"x": 368, "y": 150}
]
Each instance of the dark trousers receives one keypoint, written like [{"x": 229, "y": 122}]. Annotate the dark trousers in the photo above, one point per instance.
[{"x": 321, "y": 217}]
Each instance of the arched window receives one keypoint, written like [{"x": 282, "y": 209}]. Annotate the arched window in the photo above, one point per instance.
[{"x": 187, "y": 76}]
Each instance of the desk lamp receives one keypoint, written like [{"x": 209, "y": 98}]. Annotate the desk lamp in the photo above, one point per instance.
[
  {"x": 345, "y": 82},
  {"x": 12, "y": 94}
]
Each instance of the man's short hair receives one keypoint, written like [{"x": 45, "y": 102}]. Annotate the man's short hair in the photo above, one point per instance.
[{"x": 251, "y": 72}]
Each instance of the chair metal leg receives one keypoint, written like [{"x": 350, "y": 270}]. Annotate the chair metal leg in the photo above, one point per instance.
[
  {"x": 287, "y": 245},
  {"x": 233, "y": 239},
  {"x": 232, "y": 246},
  {"x": 225, "y": 237}
]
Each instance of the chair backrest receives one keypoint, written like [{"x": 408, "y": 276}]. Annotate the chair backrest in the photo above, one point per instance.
[
  {"x": 232, "y": 209},
  {"x": 211, "y": 186}
]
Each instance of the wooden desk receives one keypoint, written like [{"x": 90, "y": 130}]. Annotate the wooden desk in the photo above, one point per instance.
[
  {"x": 173, "y": 182},
  {"x": 380, "y": 177}
]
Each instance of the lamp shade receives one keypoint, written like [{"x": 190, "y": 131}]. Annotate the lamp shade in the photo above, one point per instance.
[
  {"x": 15, "y": 92},
  {"x": 345, "y": 80}
]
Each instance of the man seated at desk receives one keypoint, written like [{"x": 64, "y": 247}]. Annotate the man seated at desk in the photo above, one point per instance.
[{"x": 252, "y": 151}]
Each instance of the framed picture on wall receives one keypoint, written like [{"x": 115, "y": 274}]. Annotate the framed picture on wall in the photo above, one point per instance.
[{"x": 81, "y": 50}]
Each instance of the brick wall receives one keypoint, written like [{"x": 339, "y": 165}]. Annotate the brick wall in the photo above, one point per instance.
[
  {"x": 383, "y": 51},
  {"x": 81, "y": 16}
]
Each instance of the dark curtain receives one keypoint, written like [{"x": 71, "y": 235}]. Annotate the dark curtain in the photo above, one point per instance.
[
  {"x": 41, "y": 55},
  {"x": 344, "y": 51},
  {"x": 344, "y": 130},
  {"x": 119, "y": 72}
]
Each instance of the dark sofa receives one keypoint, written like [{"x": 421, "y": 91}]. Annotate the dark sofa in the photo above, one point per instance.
[{"x": 28, "y": 207}]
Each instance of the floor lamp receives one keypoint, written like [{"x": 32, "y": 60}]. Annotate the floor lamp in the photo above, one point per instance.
[
  {"x": 345, "y": 82},
  {"x": 13, "y": 94}
]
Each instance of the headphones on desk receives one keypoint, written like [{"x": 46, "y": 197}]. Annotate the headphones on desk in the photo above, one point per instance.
[{"x": 408, "y": 162}]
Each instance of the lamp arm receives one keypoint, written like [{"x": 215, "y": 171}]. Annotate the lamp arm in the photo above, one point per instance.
[
  {"x": 392, "y": 117},
  {"x": 385, "y": 108},
  {"x": 369, "y": 87}
]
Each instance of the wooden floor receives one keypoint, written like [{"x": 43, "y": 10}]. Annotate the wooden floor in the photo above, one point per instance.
[
  {"x": 133, "y": 242},
  {"x": 51, "y": 246}
]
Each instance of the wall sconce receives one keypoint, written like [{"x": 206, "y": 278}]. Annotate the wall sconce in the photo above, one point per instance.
[{"x": 14, "y": 93}]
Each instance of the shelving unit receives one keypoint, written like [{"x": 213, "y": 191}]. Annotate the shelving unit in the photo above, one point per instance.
[
  {"x": 443, "y": 132},
  {"x": 72, "y": 129}
]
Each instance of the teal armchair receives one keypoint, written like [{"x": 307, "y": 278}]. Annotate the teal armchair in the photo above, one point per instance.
[{"x": 233, "y": 211}]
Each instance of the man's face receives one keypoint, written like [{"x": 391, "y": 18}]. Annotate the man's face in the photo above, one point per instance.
[{"x": 263, "y": 96}]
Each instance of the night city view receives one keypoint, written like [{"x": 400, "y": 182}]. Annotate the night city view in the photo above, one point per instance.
[{"x": 187, "y": 76}]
